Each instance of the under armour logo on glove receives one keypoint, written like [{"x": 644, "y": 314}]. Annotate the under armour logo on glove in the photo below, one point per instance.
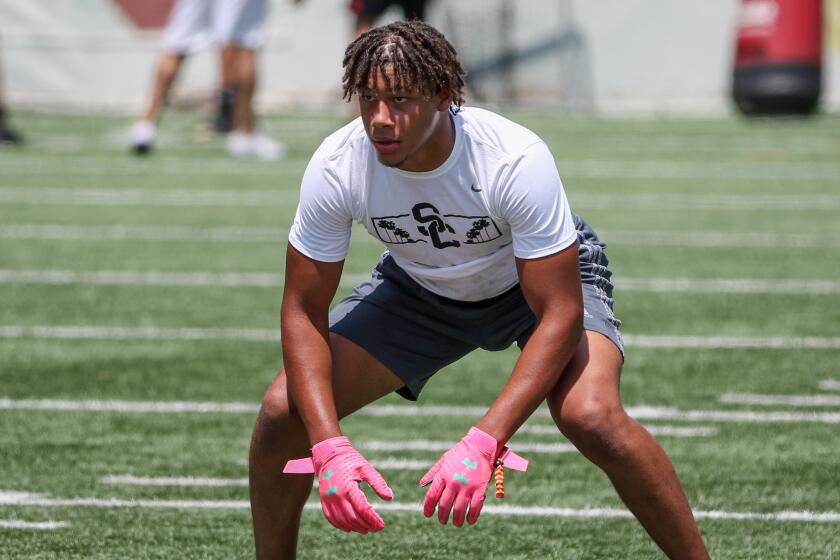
[
  {"x": 460, "y": 477},
  {"x": 340, "y": 469}
]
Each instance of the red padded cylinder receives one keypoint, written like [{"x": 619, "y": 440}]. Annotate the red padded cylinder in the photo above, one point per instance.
[{"x": 778, "y": 56}]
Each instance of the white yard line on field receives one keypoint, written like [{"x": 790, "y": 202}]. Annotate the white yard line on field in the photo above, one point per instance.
[
  {"x": 830, "y": 385},
  {"x": 424, "y": 445},
  {"x": 234, "y": 234},
  {"x": 398, "y": 464},
  {"x": 640, "y": 412},
  {"x": 387, "y": 464},
  {"x": 147, "y": 197},
  {"x": 697, "y": 170},
  {"x": 630, "y": 168},
  {"x": 137, "y": 407},
  {"x": 785, "y": 400},
  {"x": 80, "y": 332},
  {"x": 718, "y": 202},
  {"x": 717, "y": 239},
  {"x": 673, "y": 431},
  {"x": 490, "y": 509},
  {"x": 721, "y": 342},
  {"x": 71, "y": 332},
  {"x": 32, "y": 525},
  {"x": 69, "y": 165},
  {"x": 157, "y": 278},
  {"x": 728, "y": 286},
  {"x": 274, "y": 280},
  {"x": 178, "y": 481},
  {"x": 78, "y": 232},
  {"x": 179, "y": 197}
]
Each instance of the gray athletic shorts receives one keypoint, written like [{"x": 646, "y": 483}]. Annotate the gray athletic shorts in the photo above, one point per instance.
[{"x": 415, "y": 332}]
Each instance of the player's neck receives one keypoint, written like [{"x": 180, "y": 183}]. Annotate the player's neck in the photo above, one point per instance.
[{"x": 436, "y": 150}]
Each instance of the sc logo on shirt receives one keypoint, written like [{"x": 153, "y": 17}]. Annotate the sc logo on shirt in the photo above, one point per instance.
[{"x": 426, "y": 224}]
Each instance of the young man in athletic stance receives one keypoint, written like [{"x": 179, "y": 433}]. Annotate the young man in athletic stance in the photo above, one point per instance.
[{"x": 483, "y": 252}]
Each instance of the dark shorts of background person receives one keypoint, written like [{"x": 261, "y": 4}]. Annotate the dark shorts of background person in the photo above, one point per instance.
[
  {"x": 415, "y": 332},
  {"x": 413, "y": 9}
]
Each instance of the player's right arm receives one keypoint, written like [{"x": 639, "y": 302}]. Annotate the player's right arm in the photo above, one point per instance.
[
  {"x": 309, "y": 288},
  {"x": 318, "y": 243}
]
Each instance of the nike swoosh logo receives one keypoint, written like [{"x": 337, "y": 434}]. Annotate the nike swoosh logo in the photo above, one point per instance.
[{"x": 473, "y": 189}]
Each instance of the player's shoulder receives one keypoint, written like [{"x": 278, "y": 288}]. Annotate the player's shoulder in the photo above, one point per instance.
[
  {"x": 342, "y": 147},
  {"x": 493, "y": 131}
]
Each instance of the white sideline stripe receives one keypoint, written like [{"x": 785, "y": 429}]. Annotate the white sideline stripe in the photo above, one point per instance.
[
  {"x": 424, "y": 445},
  {"x": 274, "y": 280},
  {"x": 518, "y": 511},
  {"x": 233, "y": 234},
  {"x": 32, "y": 525},
  {"x": 639, "y": 412},
  {"x": 74, "y": 332},
  {"x": 830, "y": 385},
  {"x": 675, "y": 431},
  {"x": 787, "y": 400}
]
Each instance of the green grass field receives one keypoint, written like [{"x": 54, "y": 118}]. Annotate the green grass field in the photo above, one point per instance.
[{"x": 131, "y": 285}]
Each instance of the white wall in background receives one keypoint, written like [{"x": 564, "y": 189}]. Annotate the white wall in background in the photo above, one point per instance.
[{"x": 632, "y": 55}]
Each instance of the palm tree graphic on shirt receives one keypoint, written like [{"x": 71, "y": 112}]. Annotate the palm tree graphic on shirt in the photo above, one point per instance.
[{"x": 443, "y": 231}]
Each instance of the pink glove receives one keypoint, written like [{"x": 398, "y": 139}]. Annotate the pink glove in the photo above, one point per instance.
[
  {"x": 340, "y": 469},
  {"x": 461, "y": 475}
]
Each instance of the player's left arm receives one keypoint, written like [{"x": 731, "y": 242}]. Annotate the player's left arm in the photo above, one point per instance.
[
  {"x": 551, "y": 286},
  {"x": 533, "y": 202},
  {"x": 459, "y": 479}
]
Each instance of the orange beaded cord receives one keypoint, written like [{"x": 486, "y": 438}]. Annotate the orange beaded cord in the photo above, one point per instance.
[{"x": 499, "y": 479}]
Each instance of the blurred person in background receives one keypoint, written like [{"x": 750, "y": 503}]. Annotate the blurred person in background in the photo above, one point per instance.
[
  {"x": 8, "y": 135},
  {"x": 483, "y": 251},
  {"x": 238, "y": 28},
  {"x": 368, "y": 11}
]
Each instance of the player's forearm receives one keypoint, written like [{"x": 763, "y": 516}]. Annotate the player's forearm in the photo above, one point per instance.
[
  {"x": 308, "y": 363},
  {"x": 537, "y": 371}
]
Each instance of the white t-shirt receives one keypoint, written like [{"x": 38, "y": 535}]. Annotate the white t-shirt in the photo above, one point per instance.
[{"x": 455, "y": 230}]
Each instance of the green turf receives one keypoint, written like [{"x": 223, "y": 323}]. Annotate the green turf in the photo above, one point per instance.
[{"x": 628, "y": 177}]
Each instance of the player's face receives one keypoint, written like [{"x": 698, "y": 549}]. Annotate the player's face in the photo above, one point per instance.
[{"x": 409, "y": 130}]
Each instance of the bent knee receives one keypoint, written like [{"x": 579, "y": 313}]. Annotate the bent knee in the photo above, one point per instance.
[
  {"x": 595, "y": 426},
  {"x": 277, "y": 407},
  {"x": 279, "y": 428}
]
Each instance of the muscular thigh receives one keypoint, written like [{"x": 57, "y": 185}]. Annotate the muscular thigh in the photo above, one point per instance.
[{"x": 358, "y": 378}]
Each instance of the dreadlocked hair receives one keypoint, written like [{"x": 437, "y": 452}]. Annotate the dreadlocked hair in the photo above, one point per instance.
[{"x": 419, "y": 55}]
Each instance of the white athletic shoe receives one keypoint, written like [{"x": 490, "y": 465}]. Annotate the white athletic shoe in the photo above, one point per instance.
[
  {"x": 258, "y": 145},
  {"x": 143, "y": 135}
]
